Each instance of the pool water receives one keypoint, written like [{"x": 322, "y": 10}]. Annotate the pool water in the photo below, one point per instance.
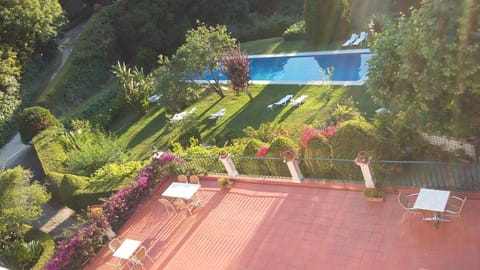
[{"x": 348, "y": 67}]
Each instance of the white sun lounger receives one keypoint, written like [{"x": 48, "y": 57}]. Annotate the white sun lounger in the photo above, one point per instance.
[
  {"x": 350, "y": 40},
  {"x": 360, "y": 39},
  {"x": 298, "y": 101},
  {"x": 218, "y": 114},
  {"x": 154, "y": 98},
  {"x": 180, "y": 116},
  {"x": 283, "y": 101}
]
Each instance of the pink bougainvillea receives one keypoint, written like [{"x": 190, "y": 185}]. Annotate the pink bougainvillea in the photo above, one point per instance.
[
  {"x": 307, "y": 134},
  {"x": 262, "y": 152},
  {"x": 329, "y": 131}
]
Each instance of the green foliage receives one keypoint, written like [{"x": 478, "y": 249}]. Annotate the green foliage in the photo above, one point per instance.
[
  {"x": 266, "y": 132},
  {"x": 372, "y": 193},
  {"x": 90, "y": 149},
  {"x": 21, "y": 255},
  {"x": 279, "y": 144},
  {"x": 33, "y": 120},
  {"x": 295, "y": 31},
  {"x": 27, "y": 24},
  {"x": 48, "y": 246},
  {"x": 114, "y": 175},
  {"x": 202, "y": 53},
  {"x": 137, "y": 87},
  {"x": 259, "y": 26},
  {"x": 326, "y": 21},
  {"x": 237, "y": 69},
  {"x": 50, "y": 150},
  {"x": 68, "y": 186},
  {"x": 267, "y": 7},
  {"x": 425, "y": 68},
  {"x": 224, "y": 181},
  {"x": 87, "y": 68},
  {"x": 177, "y": 93},
  {"x": 318, "y": 147},
  {"x": 20, "y": 200},
  {"x": 351, "y": 138}
]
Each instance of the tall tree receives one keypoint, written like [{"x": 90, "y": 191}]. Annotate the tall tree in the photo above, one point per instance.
[
  {"x": 202, "y": 53},
  {"x": 326, "y": 20},
  {"x": 26, "y": 23},
  {"x": 237, "y": 68},
  {"x": 425, "y": 68}
]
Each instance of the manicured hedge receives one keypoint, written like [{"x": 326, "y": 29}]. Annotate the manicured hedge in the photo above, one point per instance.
[
  {"x": 47, "y": 243},
  {"x": 277, "y": 167},
  {"x": 33, "y": 120},
  {"x": 318, "y": 147},
  {"x": 251, "y": 166}
]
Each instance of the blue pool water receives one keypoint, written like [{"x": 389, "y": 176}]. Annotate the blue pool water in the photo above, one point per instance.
[{"x": 349, "y": 68}]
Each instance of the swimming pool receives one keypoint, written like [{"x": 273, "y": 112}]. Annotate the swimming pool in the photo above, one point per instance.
[{"x": 349, "y": 68}]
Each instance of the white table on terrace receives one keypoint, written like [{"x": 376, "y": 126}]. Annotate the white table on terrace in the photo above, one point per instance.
[
  {"x": 432, "y": 200},
  {"x": 181, "y": 190},
  {"x": 127, "y": 248}
]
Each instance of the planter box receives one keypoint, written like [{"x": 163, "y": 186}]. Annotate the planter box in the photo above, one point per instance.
[{"x": 373, "y": 199}]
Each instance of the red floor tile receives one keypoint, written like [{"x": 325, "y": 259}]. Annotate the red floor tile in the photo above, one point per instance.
[{"x": 267, "y": 226}]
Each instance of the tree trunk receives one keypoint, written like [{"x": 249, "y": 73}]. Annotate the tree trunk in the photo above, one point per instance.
[{"x": 249, "y": 94}]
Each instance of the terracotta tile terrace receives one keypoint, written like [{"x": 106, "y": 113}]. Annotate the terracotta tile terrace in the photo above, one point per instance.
[{"x": 277, "y": 226}]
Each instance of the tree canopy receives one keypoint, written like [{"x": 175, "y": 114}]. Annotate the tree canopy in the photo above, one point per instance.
[
  {"x": 326, "y": 20},
  {"x": 425, "y": 68},
  {"x": 203, "y": 51},
  {"x": 237, "y": 68}
]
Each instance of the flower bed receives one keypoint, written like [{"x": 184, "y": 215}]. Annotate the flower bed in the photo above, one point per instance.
[{"x": 83, "y": 242}]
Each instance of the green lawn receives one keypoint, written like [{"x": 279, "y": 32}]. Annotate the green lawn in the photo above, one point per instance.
[{"x": 154, "y": 129}]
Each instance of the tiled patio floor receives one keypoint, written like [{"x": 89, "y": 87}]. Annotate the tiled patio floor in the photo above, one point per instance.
[{"x": 265, "y": 226}]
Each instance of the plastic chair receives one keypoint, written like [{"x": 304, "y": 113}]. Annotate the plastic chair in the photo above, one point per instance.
[
  {"x": 455, "y": 206},
  {"x": 168, "y": 205},
  {"x": 182, "y": 178},
  {"x": 139, "y": 256},
  {"x": 194, "y": 179}
]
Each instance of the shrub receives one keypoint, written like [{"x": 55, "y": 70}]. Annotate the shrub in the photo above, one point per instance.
[
  {"x": 275, "y": 166},
  {"x": 33, "y": 120},
  {"x": 296, "y": 31},
  {"x": 352, "y": 137},
  {"x": 318, "y": 147},
  {"x": 326, "y": 21},
  {"x": 251, "y": 166},
  {"x": 48, "y": 247},
  {"x": 68, "y": 186},
  {"x": 261, "y": 27}
]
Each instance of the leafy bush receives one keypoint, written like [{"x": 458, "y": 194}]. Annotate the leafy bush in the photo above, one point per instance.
[
  {"x": 69, "y": 185},
  {"x": 296, "y": 31},
  {"x": 351, "y": 138},
  {"x": 48, "y": 246},
  {"x": 318, "y": 147},
  {"x": 266, "y": 132},
  {"x": 50, "y": 150},
  {"x": 326, "y": 21},
  {"x": 90, "y": 149},
  {"x": 21, "y": 255},
  {"x": 33, "y": 120},
  {"x": 276, "y": 167},
  {"x": 261, "y": 27}
]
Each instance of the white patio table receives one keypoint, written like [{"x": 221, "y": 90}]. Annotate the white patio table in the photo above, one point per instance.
[
  {"x": 432, "y": 200},
  {"x": 181, "y": 190}
]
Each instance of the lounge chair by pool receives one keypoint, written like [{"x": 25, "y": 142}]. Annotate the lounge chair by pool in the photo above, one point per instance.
[
  {"x": 350, "y": 40},
  {"x": 283, "y": 101},
  {"x": 298, "y": 101},
  {"x": 361, "y": 39},
  {"x": 218, "y": 114}
]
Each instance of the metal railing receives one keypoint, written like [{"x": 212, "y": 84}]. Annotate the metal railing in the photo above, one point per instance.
[{"x": 444, "y": 175}]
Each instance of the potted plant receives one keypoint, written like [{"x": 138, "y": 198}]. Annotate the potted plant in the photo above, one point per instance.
[
  {"x": 373, "y": 195},
  {"x": 225, "y": 182}
]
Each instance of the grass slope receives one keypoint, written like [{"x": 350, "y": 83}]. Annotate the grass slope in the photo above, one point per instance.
[{"x": 154, "y": 129}]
